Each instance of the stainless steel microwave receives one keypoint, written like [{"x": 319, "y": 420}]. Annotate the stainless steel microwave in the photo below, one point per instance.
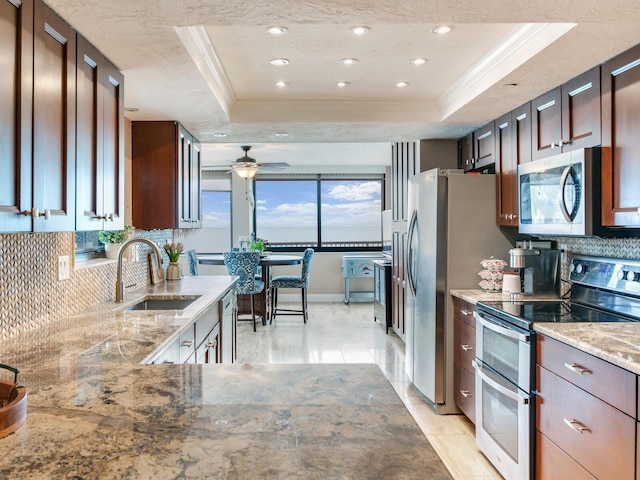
[{"x": 560, "y": 195}]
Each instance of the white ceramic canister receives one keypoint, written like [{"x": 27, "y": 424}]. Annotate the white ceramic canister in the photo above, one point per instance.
[{"x": 511, "y": 283}]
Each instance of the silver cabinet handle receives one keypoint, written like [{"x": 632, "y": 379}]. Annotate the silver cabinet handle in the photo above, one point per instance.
[
  {"x": 576, "y": 426},
  {"x": 466, "y": 393},
  {"x": 574, "y": 367},
  {"x": 187, "y": 343},
  {"x": 466, "y": 313},
  {"x": 466, "y": 347}
]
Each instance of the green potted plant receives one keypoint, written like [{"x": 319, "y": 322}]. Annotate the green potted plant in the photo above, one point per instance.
[
  {"x": 112, "y": 240},
  {"x": 257, "y": 245}
]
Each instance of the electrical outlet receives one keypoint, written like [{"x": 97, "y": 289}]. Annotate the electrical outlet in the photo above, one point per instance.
[{"x": 64, "y": 268}]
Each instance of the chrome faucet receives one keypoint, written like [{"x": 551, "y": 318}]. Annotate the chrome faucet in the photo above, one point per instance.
[{"x": 119, "y": 284}]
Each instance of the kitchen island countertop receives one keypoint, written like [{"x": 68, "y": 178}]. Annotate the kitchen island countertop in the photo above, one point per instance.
[{"x": 95, "y": 412}]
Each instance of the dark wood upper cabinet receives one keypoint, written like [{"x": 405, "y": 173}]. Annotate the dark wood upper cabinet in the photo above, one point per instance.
[
  {"x": 477, "y": 150},
  {"x": 567, "y": 117},
  {"x": 512, "y": 147},
  {"x": 100, "y": 141},
  {"x": 506, "y": 173},
  {"x": 54, "y": 117},
  {"x": 165, "y": 179},
  {"x": 620, "y": 139},
  {"x": 16, "y": 89}
]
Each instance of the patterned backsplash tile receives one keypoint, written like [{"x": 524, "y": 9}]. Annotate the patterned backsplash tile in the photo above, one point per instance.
[{"x": 30, "y": 293}]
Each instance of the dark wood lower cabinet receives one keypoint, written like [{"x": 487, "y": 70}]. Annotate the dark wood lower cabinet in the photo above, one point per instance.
[
  {"x": 595, "y": 435},
  {"x": 464, "y": 339},
  {"x": 553, "y": 463}
]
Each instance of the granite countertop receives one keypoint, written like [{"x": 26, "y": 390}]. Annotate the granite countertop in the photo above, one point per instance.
[
  {"x": 93, "y": 411},
  {"x": 617, "y": 343},
  {"x": 477, "y": 295}
]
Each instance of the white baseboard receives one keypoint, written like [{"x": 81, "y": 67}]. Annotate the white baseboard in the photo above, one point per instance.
[{"x": 320, "y": 298}]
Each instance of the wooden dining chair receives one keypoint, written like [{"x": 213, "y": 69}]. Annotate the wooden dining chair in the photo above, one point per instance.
[
  {"x": 292, "y": 281},
  {"x": 245, "y": 265}
]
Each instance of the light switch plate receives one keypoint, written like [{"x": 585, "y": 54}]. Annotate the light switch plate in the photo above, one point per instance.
[{"x": 64, "y": 268}]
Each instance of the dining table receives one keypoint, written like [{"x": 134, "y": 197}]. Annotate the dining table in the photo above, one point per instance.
[{"x": 267, "y": 260}]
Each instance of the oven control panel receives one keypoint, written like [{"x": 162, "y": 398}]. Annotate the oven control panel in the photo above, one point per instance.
[{"x": 620, "y": 275}]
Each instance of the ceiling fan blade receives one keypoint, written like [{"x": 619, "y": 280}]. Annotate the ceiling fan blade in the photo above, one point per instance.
[{"x": 274, "y": 164}]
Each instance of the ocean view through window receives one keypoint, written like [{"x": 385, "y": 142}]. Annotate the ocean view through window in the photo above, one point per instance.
[{"x": 329, "y": 214}]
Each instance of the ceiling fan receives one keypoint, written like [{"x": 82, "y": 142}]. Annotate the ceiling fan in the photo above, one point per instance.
[{"x": 247, "y": 167}]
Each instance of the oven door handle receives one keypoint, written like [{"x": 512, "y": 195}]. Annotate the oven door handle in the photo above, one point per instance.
[
  {"x": 517, "y": 397},
  {"x": 500, "y": 329}
]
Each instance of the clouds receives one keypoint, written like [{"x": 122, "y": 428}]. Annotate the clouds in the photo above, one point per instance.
[{"x": 351, "y": 191}]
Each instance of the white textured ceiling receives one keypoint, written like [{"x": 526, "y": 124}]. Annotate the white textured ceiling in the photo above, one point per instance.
[{"x": 206, "y": 63}]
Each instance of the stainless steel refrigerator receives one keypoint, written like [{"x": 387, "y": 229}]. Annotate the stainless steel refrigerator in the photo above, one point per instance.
[{"x": 452, "y": 227}]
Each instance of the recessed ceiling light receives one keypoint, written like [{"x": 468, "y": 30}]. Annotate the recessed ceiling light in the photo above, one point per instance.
[
  {"x": 278, "y": 62},
  {"x": 401, "y": 84},
  {"x": 281, "y": 134},
  {"x": 349, "y": 61},
  {"x": 219, "y": 135},
  {"x": 277, "y": 30},
  {"x": 131, "y": 109},
  {"x": 442, "y": 29},
  {"x": 343, "y": 84},
  {"x": 418, "y": 61},
  {"x": 361, "y": 30},
  {"x": 282, "y": 84}
]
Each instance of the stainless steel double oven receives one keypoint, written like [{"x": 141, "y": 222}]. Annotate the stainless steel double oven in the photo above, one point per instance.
[{"x": 602, "y": 290}]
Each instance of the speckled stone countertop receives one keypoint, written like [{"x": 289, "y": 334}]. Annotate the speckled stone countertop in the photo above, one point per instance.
[
  {"x": 95, "y": 412},
  {"x": 617, "y": 343}
]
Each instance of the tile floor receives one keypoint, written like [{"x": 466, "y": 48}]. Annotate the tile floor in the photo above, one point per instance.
[{"x": 339, "y": 333}]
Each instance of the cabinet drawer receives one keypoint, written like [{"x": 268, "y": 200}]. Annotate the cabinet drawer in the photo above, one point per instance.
[
  {"x": 465, "y": 391},
  {"x": 552, "y": 463},
  {"x": 605, "y": 447},
  {"x": 463, "y": 311},
  {"x": 464, "y": 344},
  {"x": 608, "y": 382}
]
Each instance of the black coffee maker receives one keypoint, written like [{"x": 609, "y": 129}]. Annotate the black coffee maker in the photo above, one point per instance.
[{"x": 539, "y": 267}]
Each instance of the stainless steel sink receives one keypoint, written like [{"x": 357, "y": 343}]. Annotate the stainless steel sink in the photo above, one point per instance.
[{"x": 163, "y": 303}]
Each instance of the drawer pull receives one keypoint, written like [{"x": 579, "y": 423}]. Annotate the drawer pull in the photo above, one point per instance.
[
  {"x": 466, "y": 313},
  {"x": 575, "y": 368},
  {"x": 465, "y": 347},
  {"x": 187, "y": 343},
  {"x": 466, "y": 393},
  {"x": 576, "y": 426}
]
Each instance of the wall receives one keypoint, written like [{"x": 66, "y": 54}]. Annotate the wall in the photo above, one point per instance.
[{"x": 30, "y": 293}]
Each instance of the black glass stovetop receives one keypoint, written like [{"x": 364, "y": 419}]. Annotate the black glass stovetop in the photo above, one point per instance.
[{"x": 525, "y": 313}]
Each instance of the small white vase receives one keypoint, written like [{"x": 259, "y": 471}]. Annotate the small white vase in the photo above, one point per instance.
[
  {"x": 174, "y": 271},
  {"x": 111, "y": 250}
]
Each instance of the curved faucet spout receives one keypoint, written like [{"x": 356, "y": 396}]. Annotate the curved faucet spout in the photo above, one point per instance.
[{"x": 119, "y": 284}]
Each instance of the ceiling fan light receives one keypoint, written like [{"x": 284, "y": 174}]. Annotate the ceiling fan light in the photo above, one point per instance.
[{"x": 246, "y": 171}]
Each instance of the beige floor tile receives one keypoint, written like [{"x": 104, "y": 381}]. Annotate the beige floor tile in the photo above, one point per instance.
[{"x": 461, "y": 456}]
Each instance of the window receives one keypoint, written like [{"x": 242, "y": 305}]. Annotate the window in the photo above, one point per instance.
[
  {"x": 323, "y": 213},
  {"x": 215, "y": 234}
]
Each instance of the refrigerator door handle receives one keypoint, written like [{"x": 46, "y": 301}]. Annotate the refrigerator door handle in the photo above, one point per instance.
[{"x": 411, "y": 253}]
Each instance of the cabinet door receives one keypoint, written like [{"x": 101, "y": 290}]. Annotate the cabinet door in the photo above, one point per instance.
[
  {"x": 506, "y": 173},
  {"x": 16, "y": 38},
  {"x": 100, "y": 141},
  {"x": 620, "y": 127},
  {"x": 185, "y": 141},
  {"x": 465, "y": 153},
  {"x": 546, "y": 124},
  {"x": 196, "y": 185},
  {"x": 581, "y": 124},
  {"x": 54, "y": 114},
  {"x": 113, "y": 147},
  {"x": 89, "y": 158},
  {"x": 484, "y": 147}
]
